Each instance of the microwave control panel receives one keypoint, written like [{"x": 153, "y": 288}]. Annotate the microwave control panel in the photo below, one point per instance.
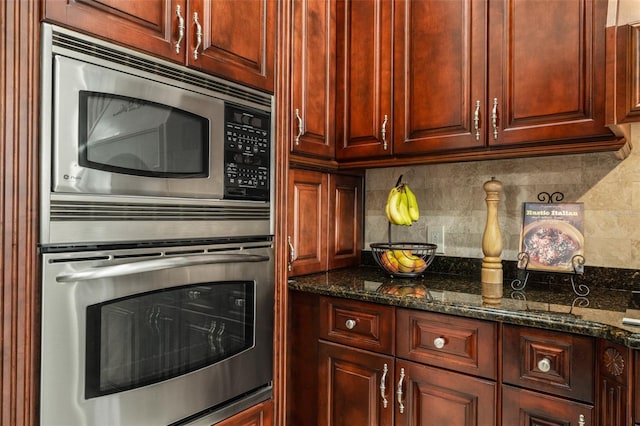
[{"x": 247, "y": 153}]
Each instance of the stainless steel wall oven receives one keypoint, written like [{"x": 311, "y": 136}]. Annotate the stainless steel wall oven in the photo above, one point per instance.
[{"x": 156, "y": 242}]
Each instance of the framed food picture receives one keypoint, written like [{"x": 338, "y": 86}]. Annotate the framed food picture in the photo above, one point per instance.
[{"x": 552, "y": 236}]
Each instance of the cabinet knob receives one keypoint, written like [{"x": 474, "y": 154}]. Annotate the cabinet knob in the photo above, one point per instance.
[
  {"x": 350, "y": 324},
  {"x": 439, "y": 342},
  {"x": 544, "y": 365}
]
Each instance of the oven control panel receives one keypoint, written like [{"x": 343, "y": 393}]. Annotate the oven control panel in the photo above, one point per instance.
[{"x": 247, "y": 148}]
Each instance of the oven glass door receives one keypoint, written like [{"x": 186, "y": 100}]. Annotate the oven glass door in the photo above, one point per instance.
[
  {"x": 155, "y": 336},
  {"x": 122, "y": 134},
  {"x": 116, "y": 133}
]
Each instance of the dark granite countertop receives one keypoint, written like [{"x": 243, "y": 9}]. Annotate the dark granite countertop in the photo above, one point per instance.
[{"x": 552, "y": 305}]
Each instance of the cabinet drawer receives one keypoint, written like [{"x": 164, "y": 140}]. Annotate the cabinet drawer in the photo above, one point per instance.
[
  {"x": 520, "y": 407},
  {"x": 460, "y": 344},
  {"x": 360, "y": 324},
  {"x": 558, "y": 363}
]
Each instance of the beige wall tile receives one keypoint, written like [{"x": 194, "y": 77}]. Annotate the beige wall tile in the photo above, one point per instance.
[{"x": 452, "y": 195}]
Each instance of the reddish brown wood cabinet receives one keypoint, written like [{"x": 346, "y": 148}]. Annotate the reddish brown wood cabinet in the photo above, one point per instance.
[
  {"x": 434, "y": 397},
  {"x": 440, "y": 58},
  {"x": 615, "y": 379},
  {"x": 627, "y": 81},
  {"x": 228, "y": 38},
  {"x": 439, "y": 348},
  {"x": 307, "y": 219},
  {"x": 324, "y": 217},
  {"x": 441, "y": 77},
  {"x": 355, "y": 386},
  {"x": 527, "y": 408},
  {"x": 355, "y": 363},
  {"x": 258, "y": 415},
  {"x": 451, "y": 370},
  {"x": 313, "y": 78},
  {"x": 548, "y": 377},
  {"x": 361, "y": 381},
  {"x": 364, "y": 111},
  {"x": 546, "y": 82}
]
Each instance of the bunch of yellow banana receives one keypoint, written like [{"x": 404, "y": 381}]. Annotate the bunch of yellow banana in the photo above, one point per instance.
[{"x": 402, "y": 206}]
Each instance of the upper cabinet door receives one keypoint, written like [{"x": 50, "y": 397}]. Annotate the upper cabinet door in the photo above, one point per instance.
[
  {"x": 231, "y": 39},
  {"x": 439, "y": 75},
  {"x": 546, "y": 71},
  {"x": 313, "y": 67},
  {"x": 152, "y": 26},
  {"x": 364, "y": 57},
  {"x": 234, "y": 39}
]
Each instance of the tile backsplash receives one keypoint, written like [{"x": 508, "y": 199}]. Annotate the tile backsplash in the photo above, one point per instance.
[{"x": 452, "y": 196}]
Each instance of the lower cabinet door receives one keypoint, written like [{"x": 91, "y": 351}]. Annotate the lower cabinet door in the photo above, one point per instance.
[
  {"x": 258, "y": 415},
  {"x": 355, "y": 387},
  {"x": 526, "y": 408},
  {"x": 429, "y": 396}
]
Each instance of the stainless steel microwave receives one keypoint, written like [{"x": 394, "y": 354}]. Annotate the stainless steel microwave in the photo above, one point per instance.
[{"x": 126, "y": 131}]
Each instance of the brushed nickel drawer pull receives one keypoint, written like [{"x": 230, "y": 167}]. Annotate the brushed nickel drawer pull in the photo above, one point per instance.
[
  {"x": 476, "y": 120},
  {"x": 300, "y": 126},
  {"x": 198, "y": 35},
  {"x": 544, "y": 365},
  {"x": 439, "y": 342},
  {"x": 180, "y": 29},
  {"x": 384, "y": 132},
  {"x": 399, "y": 392},
  {"x": 494, "y": 118},
  {"x": 292, "y": 253},
  {"x": 383, "y": 388},
  {"x": 350, "y": 324}
]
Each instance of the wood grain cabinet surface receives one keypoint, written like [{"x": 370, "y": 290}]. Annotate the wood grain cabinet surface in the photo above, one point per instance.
[
  {"x": 364, "y": 110},
  {"x": 559, "y": 366},
  {"x": 627, "y": 79},
  {"x": 324, "y": 217},
  {"x": 361, "y": 381},
  {"x": 313, "y": 78},
  {"x": 546, "y": 82},
  {"x": 439, "y": 79},
  {"x": 231, "y": 39},
  {"x": 614, "y": 383},
  {"x": 259, "y": 415},
  {"x": 382, "y": 365},
  {"x": 557, "y": 363}
]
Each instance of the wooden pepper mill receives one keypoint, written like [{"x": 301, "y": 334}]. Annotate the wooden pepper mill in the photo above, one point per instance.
[{"x": 491, "y": 273}]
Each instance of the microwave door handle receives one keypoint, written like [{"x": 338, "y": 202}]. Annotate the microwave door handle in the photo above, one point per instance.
[{"x": 157, "y": 265}]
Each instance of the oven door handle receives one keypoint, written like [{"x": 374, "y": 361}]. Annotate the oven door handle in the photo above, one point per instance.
[{"x": 157, "y": 265}]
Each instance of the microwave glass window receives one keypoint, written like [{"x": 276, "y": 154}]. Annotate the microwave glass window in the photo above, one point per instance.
[
  {"x": 132, "y": 136},
  {"x": 151, "y": 337}
]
